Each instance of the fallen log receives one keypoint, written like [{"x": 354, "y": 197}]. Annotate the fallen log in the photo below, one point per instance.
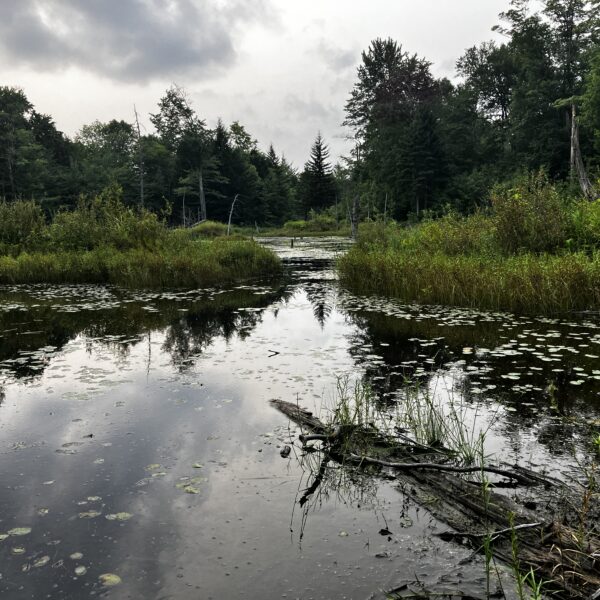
[
  {"x": 549, "y": 538},
  {"x": 412, "y": 466}
]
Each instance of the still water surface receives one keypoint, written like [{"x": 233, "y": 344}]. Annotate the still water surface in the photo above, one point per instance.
[{"x": 138, "y": 447}]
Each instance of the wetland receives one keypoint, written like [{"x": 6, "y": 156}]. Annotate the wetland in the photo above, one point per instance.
[{"x": 141, "y": 457}]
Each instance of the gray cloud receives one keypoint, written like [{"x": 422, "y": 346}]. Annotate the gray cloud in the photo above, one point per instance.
[
  {"x": 301, "y": 109},
  {"x": 129, "y": 40},
  {"x": 336, "y": 58}
]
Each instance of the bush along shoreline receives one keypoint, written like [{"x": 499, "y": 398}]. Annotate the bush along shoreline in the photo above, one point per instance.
[
  {"x": 103, "y": 241},
  {"x": 532, "y": 251}
]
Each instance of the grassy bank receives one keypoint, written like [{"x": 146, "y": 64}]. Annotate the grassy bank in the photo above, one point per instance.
[
  {"x": 103, "y": 241},
  {"x": 532, "y": 252}
]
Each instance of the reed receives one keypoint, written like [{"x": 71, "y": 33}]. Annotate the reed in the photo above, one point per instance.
[{"x": 523, "y": 283}]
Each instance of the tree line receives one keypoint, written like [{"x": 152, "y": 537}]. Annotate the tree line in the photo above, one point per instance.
[
  {"x": 527, "y": 103},
  {"x": 185, "y": 169}
]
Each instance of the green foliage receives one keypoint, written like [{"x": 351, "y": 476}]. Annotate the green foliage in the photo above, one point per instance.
[
  {"x": 21, "y": 224},
  {"x": 452, "y": 235},
  {"x": 102, "y": 241},
  {"x": 317, "y": 223},
  {"x": 584, "y": 225},
  {"x": 104, "y": 221},
  {"x": 529, "y": 216},
  {"x": 591, "y": 100}
]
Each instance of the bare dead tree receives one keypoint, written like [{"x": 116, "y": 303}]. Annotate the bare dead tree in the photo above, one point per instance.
[
  {"x": 577, "y": 165},
  {"x": 201, "y": 195},
  {"x": 140, "y": 156},
  {"x": 231, "y": 213}
]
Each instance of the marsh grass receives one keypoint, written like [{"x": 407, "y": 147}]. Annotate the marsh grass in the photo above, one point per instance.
[
  {"x": 194, "y": 264},
  {"x": 438, "y": 419},
  {"x": 525, "y": 283},
  {"x": 430, "y": 417},
  {"x": 354, "y": 404}
]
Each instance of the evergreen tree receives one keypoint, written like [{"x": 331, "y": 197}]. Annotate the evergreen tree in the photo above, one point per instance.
[{"x": 318, "y": 182}]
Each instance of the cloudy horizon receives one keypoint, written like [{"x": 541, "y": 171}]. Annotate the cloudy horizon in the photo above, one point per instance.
[{"x": 283, "y": 70}]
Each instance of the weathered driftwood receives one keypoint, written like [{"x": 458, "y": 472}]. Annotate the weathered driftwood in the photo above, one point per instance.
[
  {"x": 412, "y": 466},
  {"x": 549, "y": 539}
]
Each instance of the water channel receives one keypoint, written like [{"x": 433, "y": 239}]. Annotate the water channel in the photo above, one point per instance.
[{"x": 140, "y": 457}]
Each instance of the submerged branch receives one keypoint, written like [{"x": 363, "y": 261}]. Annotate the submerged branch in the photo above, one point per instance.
[
  {"x": 441, "y": 467},
  {"x": 451, "y": 535}
]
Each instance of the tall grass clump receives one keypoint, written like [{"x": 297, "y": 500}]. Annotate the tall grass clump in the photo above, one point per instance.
[
  {"x": 533, "y": 251},
  {"x": 208, "y": 229}
]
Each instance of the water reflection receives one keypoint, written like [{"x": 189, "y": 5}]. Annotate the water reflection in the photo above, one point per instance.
[{"x": 35, "y": 328}]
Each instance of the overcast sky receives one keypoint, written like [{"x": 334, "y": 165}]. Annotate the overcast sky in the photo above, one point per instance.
[{"x": 283, "y": 69}]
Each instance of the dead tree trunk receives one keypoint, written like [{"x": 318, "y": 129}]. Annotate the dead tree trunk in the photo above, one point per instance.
[
  {"x": 231, "y": 213},
  {"x": 140, "y": 157},
  {"x": 354, "y": 217},
  {"x": 546, "y": 528},
  {"x": 201, "y": 196},
  {"x": 577, "y": 166}
]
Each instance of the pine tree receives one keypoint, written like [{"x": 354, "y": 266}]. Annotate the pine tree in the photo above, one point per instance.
[{"x": 319, "y": 188}]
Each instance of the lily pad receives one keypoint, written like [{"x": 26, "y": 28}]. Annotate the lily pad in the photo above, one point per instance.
[
  {"x": 80, "y": 570},
  {"x": 42, "y": 561},
  {"x": 121, "y": 516},
  {"x": 20, "y": 531},
  {"x": 109, "y": 579},
  {"x": 90, "y": 514},
  {"x": 76, "y": 556}
]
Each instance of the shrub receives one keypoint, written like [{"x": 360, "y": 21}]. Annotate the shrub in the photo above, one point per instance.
[
  {"x": 295, "y": 225},
  {"x": 21, "y": 223},
  {"x": 105, "y": 221},
  {"x": 584, "y": 225},
  {"x": 529, "y": 216},
  {"x": 317, "y": 223}
]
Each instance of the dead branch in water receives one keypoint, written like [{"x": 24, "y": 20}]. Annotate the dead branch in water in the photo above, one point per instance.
[
  {"x": 549, "y": 537},
  {"x": 442, "y": 467}
]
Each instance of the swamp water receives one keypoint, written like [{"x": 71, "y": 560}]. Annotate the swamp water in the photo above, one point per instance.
[{"x": 140, "y": 457}]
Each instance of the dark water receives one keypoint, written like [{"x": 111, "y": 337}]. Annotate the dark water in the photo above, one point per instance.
[{"x": 137, "y": 441}]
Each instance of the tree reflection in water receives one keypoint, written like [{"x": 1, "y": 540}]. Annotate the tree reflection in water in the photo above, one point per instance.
[
  {"x": 36, "y": 327},
  {"x": 324, "y": 480}
]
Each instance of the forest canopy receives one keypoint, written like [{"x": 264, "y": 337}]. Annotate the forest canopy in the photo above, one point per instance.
[{"x": 526, "y": 103}]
